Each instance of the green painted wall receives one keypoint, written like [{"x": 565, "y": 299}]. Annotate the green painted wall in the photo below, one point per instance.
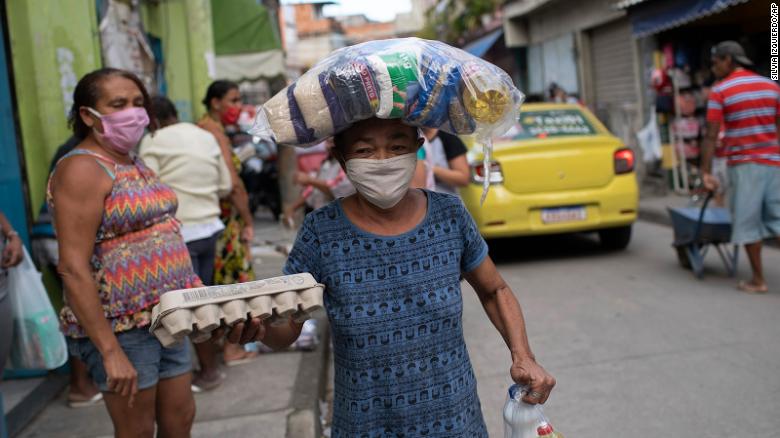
[
  {"x": 53, "y": 44},
  {"x": 201, "y": 48},
  {"x": 184, "y": 26}
]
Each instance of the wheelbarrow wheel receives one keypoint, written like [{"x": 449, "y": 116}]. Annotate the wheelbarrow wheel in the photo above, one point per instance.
[
  {"x": 682, "y": 257},
  {"x": 615, "y": 238}
]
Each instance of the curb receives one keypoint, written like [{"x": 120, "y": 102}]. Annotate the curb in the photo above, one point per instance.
[
  {"x": 654, "y": 216},
  {"x": 34, "y": 403},
  {"x": 309, "y": 388}
]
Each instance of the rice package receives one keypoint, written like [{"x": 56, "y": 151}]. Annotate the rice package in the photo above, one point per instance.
[{"x": 424, "y": 83}]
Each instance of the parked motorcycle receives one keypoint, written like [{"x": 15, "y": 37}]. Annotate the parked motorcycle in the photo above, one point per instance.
[{"x": 259, "y": 172}]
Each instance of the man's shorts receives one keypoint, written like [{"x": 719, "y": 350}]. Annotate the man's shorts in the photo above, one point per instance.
[
  {"x": 150, "y": 359},
  {"x": 720, "y": 170},
  {"x": 754, "y": 198}
]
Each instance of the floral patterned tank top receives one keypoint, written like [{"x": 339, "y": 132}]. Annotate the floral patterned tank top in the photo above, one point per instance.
[{"x": 139, "y": 252}]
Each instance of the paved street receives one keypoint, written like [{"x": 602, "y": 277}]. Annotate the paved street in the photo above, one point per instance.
[
  {"x": 640, "y": 348},
  {"x": 286, "y": 383},
  {"x": 638, "y": 345}
]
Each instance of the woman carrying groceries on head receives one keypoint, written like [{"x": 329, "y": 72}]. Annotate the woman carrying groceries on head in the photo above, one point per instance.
[
  {"x": 233, "y": 263},
  {"x": 391, "y": 260},
  {"x": 119, "y": 249}
]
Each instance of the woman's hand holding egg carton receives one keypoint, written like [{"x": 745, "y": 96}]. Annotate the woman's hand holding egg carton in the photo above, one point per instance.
[{"x": 198, "y": 312}]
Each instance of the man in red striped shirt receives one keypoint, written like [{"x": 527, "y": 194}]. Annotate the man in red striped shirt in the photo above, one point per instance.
[{"x": 748, "y": 106}]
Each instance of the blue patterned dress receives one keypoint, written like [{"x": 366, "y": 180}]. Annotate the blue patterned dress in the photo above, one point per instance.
[{"x": 394, "y": 305}]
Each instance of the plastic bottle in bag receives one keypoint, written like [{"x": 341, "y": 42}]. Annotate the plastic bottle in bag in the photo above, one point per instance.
[
  {"x": 545, "y": 430},
  {"x": 522, "y": 420}
]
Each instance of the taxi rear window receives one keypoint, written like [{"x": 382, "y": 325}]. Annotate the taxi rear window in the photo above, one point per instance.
[{"x": 550, "y": 123}]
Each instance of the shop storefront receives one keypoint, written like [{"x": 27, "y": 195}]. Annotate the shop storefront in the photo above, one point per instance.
[
  {"x": 614, "y": 91},
  {"x": 587, "y": 50},
  {"x": 676, "y": 37},
  {"x": 52, "y": 44},
  {"x": 45, "y": 48},
  {"x": 546, "y": 37}
]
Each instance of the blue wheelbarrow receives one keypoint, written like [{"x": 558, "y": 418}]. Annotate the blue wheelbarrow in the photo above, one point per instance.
[{"x": 696, "y": 230}]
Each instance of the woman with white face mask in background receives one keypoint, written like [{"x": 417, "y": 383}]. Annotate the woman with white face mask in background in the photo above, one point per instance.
[{"x": 391, "y": 259}]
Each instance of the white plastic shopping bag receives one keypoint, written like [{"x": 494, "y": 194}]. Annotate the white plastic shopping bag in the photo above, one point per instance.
[
  {"x": 522, "y": 420},
  {"x": 37, "y": 342},
  {"x": 649, "y": 138}
]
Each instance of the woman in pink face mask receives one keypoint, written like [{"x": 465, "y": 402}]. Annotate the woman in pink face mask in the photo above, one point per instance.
[{"x": 120, "y": 248}]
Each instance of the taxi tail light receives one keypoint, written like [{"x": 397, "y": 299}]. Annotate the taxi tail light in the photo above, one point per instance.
[
  {"x": 478, "y": 173},
  {"x": 624, "y": 161}
]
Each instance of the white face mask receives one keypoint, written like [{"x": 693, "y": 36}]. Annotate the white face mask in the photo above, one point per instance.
[{"x": 382, "y": 182}]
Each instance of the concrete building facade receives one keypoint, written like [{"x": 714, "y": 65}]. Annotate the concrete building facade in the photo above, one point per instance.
[{"x": 587, "y": 49}]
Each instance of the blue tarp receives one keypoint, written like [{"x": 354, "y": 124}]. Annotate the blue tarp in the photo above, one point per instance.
[
  {"x": 483, "y": 44},
  {"x": 648, "y": 18}
]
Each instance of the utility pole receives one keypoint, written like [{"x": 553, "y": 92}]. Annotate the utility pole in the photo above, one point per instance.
[
  {"x": 287, "y": 161},
  {"x": 288, "y": 166}
]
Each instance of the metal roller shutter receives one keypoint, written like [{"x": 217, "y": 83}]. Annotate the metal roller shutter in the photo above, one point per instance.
[{"x": 614, "y": 77}]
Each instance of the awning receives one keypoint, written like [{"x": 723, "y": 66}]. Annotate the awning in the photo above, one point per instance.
[
  {"x": 517, "y": 9},
  {"x": 250, "y": 66},
  {"x": 627, "y": 3},
  {"x": 310, "y": 2},
  {"x": 480, "y": 46},
  {"x": 648, "y": 18},
  {"x": 246, "y": 43}
]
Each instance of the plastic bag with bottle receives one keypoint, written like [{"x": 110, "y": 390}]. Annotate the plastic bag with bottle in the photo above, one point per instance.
[{"x": 522, "y": 420}]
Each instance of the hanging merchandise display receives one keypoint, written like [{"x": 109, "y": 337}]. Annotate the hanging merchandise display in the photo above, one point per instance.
[
  {"x": 649, "y": 139},
  {"x": 424, "y": 83},
  {"x": 124, "y": 42}
]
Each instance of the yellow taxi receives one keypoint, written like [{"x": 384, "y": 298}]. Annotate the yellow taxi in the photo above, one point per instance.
[{"x": 558, "y": 170}]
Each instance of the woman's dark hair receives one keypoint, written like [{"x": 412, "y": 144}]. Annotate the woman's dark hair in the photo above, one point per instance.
[
  {"x": 164, "y": 109},
  {"x": 87, "y": 93},
  {"x": 340, "y": 141},
  {"x": 218, "y": 89}
]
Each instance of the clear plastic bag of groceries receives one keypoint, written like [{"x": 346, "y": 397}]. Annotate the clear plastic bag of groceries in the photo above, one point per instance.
[
  {"x": 425, "y": 83},
  {"x": 522, "y": 420}
]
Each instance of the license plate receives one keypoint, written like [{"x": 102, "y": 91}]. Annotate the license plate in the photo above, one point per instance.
[{"x": 564, "y": 214}]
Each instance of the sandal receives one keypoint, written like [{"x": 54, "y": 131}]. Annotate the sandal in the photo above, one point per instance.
[
  {"x": 201, "y": 384},
  {"x": 76, "y": 401},
  {"x": 247, "y": 357},
  {"x": 751, "y": 288}
]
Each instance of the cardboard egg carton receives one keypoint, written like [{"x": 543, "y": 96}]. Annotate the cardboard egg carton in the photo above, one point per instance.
[{"x": 197, "y": 312}]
